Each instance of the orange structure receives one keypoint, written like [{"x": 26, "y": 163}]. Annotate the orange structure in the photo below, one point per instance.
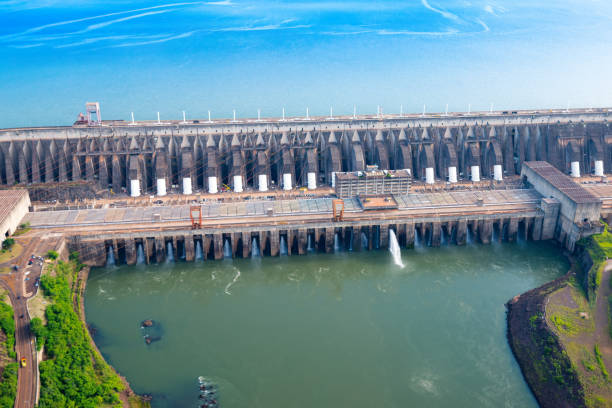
[
  {"x": 195, "y": 213},
  {"x": 338, "y": 210}
]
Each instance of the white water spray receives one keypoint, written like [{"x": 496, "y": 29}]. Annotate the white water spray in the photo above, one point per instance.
[
  {"x": 255, "y": 248},
  {"x": 283, "y": 246},
  {"x": 394, "y": 248},
  {"x": 169, "y": 252},
  {"x": 110, "y": 256},
  {"x": 227, "y": 249},
  {"x": 140, "y": 257},
  {"x": 199, "y": 255},
  {"x": 364, "y": 241}
]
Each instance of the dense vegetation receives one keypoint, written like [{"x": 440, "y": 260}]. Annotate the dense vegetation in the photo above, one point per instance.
[
  {"x": 8, "y": 384},
  {"x": 599, "y": 248},
  {"x": 73, "y": 375}
]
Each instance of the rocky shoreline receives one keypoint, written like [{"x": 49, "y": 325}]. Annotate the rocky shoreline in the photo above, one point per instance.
[{"x": 544, "y": 363}]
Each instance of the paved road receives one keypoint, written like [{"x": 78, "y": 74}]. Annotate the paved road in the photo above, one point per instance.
[{"x": 24, "y": 341}]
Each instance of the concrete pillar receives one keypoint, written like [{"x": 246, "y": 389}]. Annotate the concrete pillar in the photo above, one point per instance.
[
  {"x": 452, "y": 174},
  {"x": 475, "y": 173},
  {"x": 289, "y": 242},
  {"x": 218, "y": 246},
  {"x": 263, "y": 182},
  {"x": 302, "y": 241},
  {"x": 497, "y": 172},
  {"x": 274, "y": 243},
  {"x": 246, "y": 244},
  {"x": 160, "y": 250},
  {"x": 207, "y": 241},
  {"x": 599, "y": 168},
  {"x": 187, "y": 185},
  {"x": 333, "y": 179},
  {"x": 135, "y": 188},
  {"x": 263, "y": 237},
  {"x": 461, "y": 233},
  {"x": 235, "y": 237},
  {"x": 410, "y": 235},
  {"x": 575, "y": 169},
  {"x": 161, "y": 187},
  {"x": 384, "y": 236},
  {"x": 130, "y": 252},
  {"x": 212, "y": 185},
  {"x": 356, "y": 238},
  {"x": 551, "y": 207},
  {"x": 512, "y": 229},
  {"x": 436, "y": 231},
  {"x": 238, "y": 184},
  {"x": 536, "y": 231},
  {"x": 485, "y": 231},
  {"x": 400, "y": 232},
  {"x": 148, "y": 244},
  {"x": 370, "y": 234},
  {"x": 329, "y": 240},
  {"x": 312, "y": 180},
  {"x": 189, "y": 246},
  {"x": 287, "y": 181},
  {"x": 429, "y": 175}
]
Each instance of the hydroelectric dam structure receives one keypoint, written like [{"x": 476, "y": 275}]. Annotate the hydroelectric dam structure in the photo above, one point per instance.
[{"x": 266, "y": 187}]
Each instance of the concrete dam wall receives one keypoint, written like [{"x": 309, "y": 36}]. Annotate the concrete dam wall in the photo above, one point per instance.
[
  {"x": 186, "y": 157},
  {"x": 148, "y": 247}
]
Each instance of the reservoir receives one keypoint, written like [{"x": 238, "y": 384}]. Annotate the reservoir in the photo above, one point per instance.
[{"x": 323, "y": 330}]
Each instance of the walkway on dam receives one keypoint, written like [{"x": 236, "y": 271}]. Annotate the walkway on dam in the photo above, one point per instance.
[{"x": 415, "y": 203}]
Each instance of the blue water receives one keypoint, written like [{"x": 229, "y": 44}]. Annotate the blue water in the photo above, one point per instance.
[{"x": 146, "y": 56}]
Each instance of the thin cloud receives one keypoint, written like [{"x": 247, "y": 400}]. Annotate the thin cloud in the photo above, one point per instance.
[
  {"x": 484, "y": 25},
  {"x": 161, "y": 40},
  {"x": 443, "y": 13},
  {"x": 268, "y": 27},
  {"x": 418, "y": 33},
  {"x": 119, "y": 20}
]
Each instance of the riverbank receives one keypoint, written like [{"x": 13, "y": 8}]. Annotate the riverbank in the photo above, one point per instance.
[
  {"x": 68, "y": 349},
  {"x": 560, "y": 332}
]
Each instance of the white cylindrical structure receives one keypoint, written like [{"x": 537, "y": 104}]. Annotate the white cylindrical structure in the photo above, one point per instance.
[
  {"x": 599, "y": 168},
  {"x": 497, "y": 172},
  {"x": 475, "y": 173},
  {"x": 212, "y": 185},
  {"x": 429, "y": 175},
  {"x": 287, "y": 181},
  {"x": 333, "y": 177},
  {"x": 575, "y": 169},
  {"x": 263, "y": 182},
  {"x": 238, "y": 184},
  {"x": 135, "y": 188},
  {"x": 187, "y": 185},
  {"x": 312, "y": 181},
  {"x": 452, "y": 174},
  {"x": 161, "y": 187}
]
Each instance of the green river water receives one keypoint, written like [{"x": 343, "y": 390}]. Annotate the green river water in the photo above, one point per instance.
[{"x": 336, "y": 330}]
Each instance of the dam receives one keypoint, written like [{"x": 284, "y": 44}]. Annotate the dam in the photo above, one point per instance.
[{"x": 277, "y": 186}]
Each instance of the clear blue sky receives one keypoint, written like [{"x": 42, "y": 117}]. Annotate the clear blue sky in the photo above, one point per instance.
[{"x": 145, "y": 56}]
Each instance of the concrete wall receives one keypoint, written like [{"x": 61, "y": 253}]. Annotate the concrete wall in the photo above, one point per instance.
[
  {"x": 115, "y": 155},
  {"x": 12, "y": 221},
  {"x": 351, "y": 236}
]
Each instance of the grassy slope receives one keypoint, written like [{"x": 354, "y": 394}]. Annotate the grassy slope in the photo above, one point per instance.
[{"x": 571, "y": 313}]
